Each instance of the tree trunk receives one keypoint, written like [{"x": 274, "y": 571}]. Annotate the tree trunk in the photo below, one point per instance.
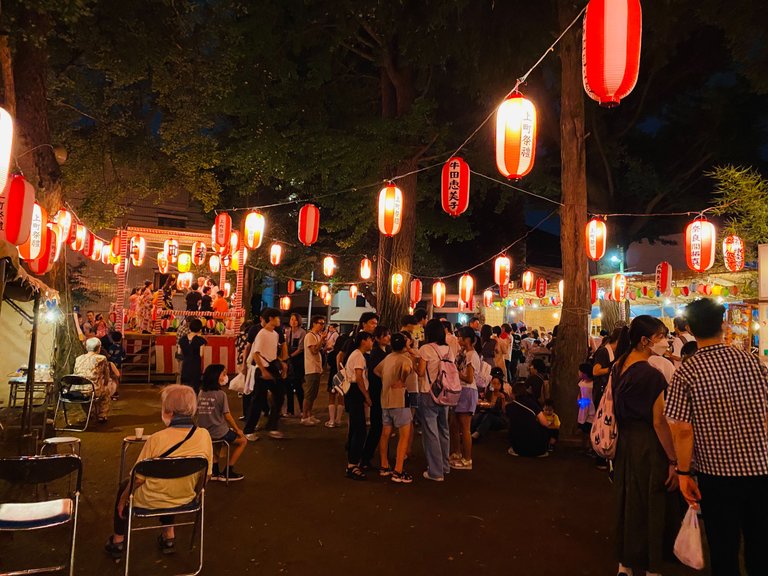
[
  {"x": 611, "y": 314},
  {"x": 572, "y": 333}
]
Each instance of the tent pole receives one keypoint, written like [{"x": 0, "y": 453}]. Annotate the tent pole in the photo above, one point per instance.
[{"x": 26, "y": 421}]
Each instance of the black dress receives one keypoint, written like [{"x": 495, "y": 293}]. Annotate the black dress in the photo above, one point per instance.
[{"x": 191, "y": 370}]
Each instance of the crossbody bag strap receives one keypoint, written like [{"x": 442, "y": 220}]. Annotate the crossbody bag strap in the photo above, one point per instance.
[
  {"x": 176, "y": 446},
  {"x": 526, "y": 407}
]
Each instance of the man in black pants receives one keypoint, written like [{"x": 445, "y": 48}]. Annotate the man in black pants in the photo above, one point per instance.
[{"x": 717, "y": 408}]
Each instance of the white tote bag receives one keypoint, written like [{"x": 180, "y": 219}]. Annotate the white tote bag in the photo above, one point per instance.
[
  {"x": 688, "y": 547},
  {"x": 237, "y": 384}
]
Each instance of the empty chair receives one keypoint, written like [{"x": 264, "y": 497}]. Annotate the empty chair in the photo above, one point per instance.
[{"x": 25, "y": 515}]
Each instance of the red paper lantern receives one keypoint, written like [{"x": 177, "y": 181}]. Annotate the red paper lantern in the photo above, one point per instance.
[
  {"x": 78, "y": 241},
  {"x": 98, "y": 246},
  {"x": 211, "y": 324},
  {"x": 415, "y": 291},
  {"x": 275, "y": 253},
  {"x": 593, "y": 290},
  {"x": 162, "y": 262},
  {"x": 89, "y": 244},
  {"x": 115, "y": 247},
  {"x": 541, "y": 288},
  {"x": 323, "y": 290},
  {"x": 504, "y": 290},
  {"x": 17, "y": 202},
  {"x": 390, "y": 209},
  {"x": 515, "y": 136},
  {"x": 396, "y": 284},
  {"x": 560, "y": 289},
  {"x": 438, "y": 294},
  {"x": 47, "y": 255},
  {"x": 138, "y": 249},
  {"x": 611, "y": 49},
  {"x": 329, "y": 266},
  {"x": 235, "y": 242},
  {"x": 664, "y": 278},
  {"x": 227, "y": 289},
  {"x": 309, "y": 224},
  {"x": 488, "y": 298},
  {"x": 366, "y": 269},
  {"x": 38, "y": 234},
  {"x": 291, "y": 286},
  {"x": 226, "y": 261},
  {"x": 466, "y": 289},
  {"x": 106, "y": 253},
  {"x": 328, "y": 299},
  {"x": 198, "y": 253},
  {"x": 222, "y": 230},
  {"x": 501, "y": 269},
  {"x": 214, "y": 263},
  {"x": 353, "y": 292},
  {"x": 67, "y": 231},
  {"x": 171, "y": 249},
  {"x": 700, "y": 238},
  {"x": 733, "y": 253},
  {"x": 455, "y": 186},
  {"x": 253, "y": 230},
  {"x": 595, "y": 236},
  {"x": 528, "y": 281},
  {"x": 6, "y": 146},
  {"x": 619, "y": 287},
  {"x": 285, "y": 303}
]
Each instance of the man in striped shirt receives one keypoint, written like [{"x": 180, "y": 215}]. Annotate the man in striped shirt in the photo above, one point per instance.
[{"x": 717, "y": 407}]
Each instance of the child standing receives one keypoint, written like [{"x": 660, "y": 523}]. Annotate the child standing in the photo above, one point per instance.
[
  {"x": 553, "y": 424},
  {"x": 586, "y": 406},
  {"x": 213, "y": 415}
]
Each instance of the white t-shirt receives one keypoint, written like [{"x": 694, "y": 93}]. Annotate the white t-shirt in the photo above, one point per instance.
[
  {"x": 313, "y": 362},
  {"x": 677, "y": 346},
  {"x": 432, "y": 355},
  {"x": 357, "y": 360},
  {"x": 266, "y": 343},
  {"x": 666, "y": 367},
  {"x": 453, "y": 344},
  {"x": 471, "y": 359}
]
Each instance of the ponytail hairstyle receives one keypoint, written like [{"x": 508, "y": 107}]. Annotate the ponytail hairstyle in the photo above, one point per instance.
[{"x": 641, "y": 327}]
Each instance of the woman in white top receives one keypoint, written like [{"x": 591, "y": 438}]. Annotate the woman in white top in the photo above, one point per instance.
[
  {"x": 433, "y": 417},
  {"x": 468, "y": 363},
  {"x": 356, "y": 369}
]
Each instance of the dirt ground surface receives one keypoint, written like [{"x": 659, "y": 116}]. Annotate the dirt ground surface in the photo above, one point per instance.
[{"x": 296, "y": 513}]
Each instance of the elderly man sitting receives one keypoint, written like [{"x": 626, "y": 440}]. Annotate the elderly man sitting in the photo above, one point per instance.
[
  {"x": 95, "y": 366},
  {"x": 180, "y": 439}
]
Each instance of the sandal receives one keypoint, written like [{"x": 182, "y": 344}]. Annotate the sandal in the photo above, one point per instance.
[
  {"x": 114, "y": 549},
  {"x": 166, "y": 545},
  {"x": 355, "y": 473}
]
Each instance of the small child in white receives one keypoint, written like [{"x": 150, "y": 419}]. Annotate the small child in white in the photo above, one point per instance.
[{"x": 586, "y": 406}]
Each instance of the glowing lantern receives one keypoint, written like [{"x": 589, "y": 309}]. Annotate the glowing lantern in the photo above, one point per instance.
[
  {"x": 593, "y": 290},
  {"x": 98, "y": 246},
  {"x": 415, "y": 289},
  {"x": 222, "y": 230},
  {"x": 501, "y": 270},
  {"x": 254, "y": 230},
  {"x": 323, "y": 290},
  {"x": 38, "y": 234},
  {"x": 560, "y": 289},
  {"x": 226, "y": 261},
  {"x": 59, "y": 244},
  {"x": 285, "y": 303},
  {"x": 488, "y": 298},
  {"x": 106, "y": 252},
  {"x": 162, "y": 262},
  {"x": 171, "y": 248},
  {"x": 234, "y": 242},
  {"x": 353, "y": 292},
  {"x": 227, "y": 289},
  {"x": 466, "y": 289},
  {"x": 185, "y": 262},
  {"x": 291, "y": 286},
  {"x": 6, "y": 146},
  {"x": 733, "y": 253},
  {"x": 184, "y": 281},
  {"x": 595, "y": 238},
  {"x": 138, "y": 248},
  {"x": 700, "y": 237},
  {"x": 365, "y": 269},
  {"x": 438, "y": 294},
  {"x": 275, "y": 253},
  {"x": 309, "y": 224},
  {"x": 47, "y": 255},
  {"x": 81, "y": 233},
  {"x": 528, "y": 280},
  {"x": 664, "y": 278},
  {"x": 115, "y": 247},
  {"x": 541, "y": 288},
  {"x": 64, "y": 219},
  {"x": 327, "y": 299},
  {"x": 504, "y": 290},
  {"x": 214, "y": 263},
  {"x": 329, "y": 266},
  {"x": 396, "y": 283},
  {"x": 619, "y": 287},
  {"x": 611, "y": 49},
  {"x": 88, "y": 245},
  {"x": 17, "y": 202},
  {"x": 198, "y": 253},
  {"x": 515, "y": 136},
  {"x": 455, "y": 186},
  {"x": 390, "y": 209}
]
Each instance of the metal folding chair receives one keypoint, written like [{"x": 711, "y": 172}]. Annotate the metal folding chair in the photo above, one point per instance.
[
  {"x": 168, "y": 469},
  {"x": 216, "y": 452},
  {"x": 74, "y": 390},
  {"x": 20, "y": 516}
]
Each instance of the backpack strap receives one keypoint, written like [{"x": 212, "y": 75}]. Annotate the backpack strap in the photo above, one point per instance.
[
  {"x": 524, "y": 406},
  {"x": 176, "y": 446}
]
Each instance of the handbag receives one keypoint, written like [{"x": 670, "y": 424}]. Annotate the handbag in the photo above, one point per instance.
[
  {"x": 341, "y": 383},
  {"x": 237, "y": 384},
  {"x": 605, "y": 432},
  {"x": 688, "y": 547}
]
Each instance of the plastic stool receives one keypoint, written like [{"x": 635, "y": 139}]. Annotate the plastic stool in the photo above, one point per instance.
[{"x": 71, "y": 441}]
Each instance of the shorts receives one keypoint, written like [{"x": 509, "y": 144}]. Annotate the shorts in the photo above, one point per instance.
[
  {"x": 311, "y": 386},
  {"x": 467, "y": 401},
  {"x": 230, "y": 437},
  {"x": 397, "y": 417}
]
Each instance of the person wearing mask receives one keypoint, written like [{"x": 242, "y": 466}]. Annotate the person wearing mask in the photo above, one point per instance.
[
  {"x": 355, "y": 402},
  {"x": 193, "y": 298},
  {"x": 191, "y": 347},
  {"x": 717, "y": 408},
  {"x": 645, "y": 462},
  {"x": 432, "y": 416},
  {"x": 382, "y": 338},
  {"x": 468, "y": 364},
  {"x": 294, "y": 385}
]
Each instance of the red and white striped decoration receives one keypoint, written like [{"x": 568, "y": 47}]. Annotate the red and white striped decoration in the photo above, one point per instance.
[
  {"x": 455, "y": 186},
  {"x": 390, "y": 210},
  {"x": 501, "y": 269},
  {"x": 467, "y": 289},
  {"x": 528, "y": 281},
  {"x": 611, "y": 49},
  {"x": 309, "y": 224},
  {"x": 438, "y": 294},
  {"x": 488, "y": 298},
  {"x": 664, "y": 278},
  {"x": 415, "y": 289},
  {"x": 17, "y": 202}
]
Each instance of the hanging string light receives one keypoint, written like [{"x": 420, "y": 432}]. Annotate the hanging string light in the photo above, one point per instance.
[
  {"x": 560, "y": 289},
  {"x": 365, "y": 269},
  {"x": 81, "y": 232},
  {"x": 47, "y": 255},
  {"x": 309, "y": 224},
  {"x": 227, "y": 289},
  {"x": 64, "y": 219},
  {"x": 38, "y": 235},
  {"x": 515, "y": 136},
  {"x": 619, "y": 287},
  {"x": 324, "y": 290},
  {"x": 184, "y": 262},
  {"x": 438, "y": 294},
  {"x": 89, "y": 244},
  {"x": 541, "y": 288},
  {"x": 235, "y": 242},
  {"x": 329, "y": 266},
  {"x": 664, "y": 278},
  {"x": 137, "y": 250},
  {"x": 291, "y": 286},
  {"x": 390, "y": 209},
  {"x": 162, "y": 263},
  {"x": 595, "y": 236},
  {"x": 455, "y": 187},
  {"x": 106, "y": 252},
  {"x": 328, "y": 299},
  {"x": 275, "y": 253},
  {"x": 198, "y": 253}
]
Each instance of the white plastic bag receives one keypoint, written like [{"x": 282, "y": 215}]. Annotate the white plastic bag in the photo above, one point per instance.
[
  {"x": 688, "y": 547},
  {"x": 237, "y": 384}
]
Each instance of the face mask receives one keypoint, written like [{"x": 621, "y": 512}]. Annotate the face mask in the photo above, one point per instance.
[
  {"x": 224, "y": 380},
  {"x": 660, "y": 347}
]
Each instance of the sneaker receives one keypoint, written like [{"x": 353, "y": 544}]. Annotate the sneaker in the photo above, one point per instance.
[
  {"x": 114, "y": 549},
  {"x": 276, "y": 434},
  {"x": 461, "y": 464},
  {"x": 428, "y": 477},
  {"x": 233, "y": 476},
  {"x": 218, "y": 477},
  {"x": 401, "y": 477},
  {"x": 251, "y": 437},
  {"x": 307, "y": 422},
  {"x": 330, "y": 424},
  {"x": 166, "y": 546},
  {"x": 385, "y": 472},
  {"x": 511, "y": 452}
]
